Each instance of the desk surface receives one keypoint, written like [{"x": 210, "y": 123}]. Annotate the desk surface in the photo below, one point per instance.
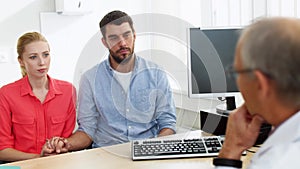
[{"x": 117, "y": 156}]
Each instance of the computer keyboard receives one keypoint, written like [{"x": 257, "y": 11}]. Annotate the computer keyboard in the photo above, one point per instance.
[{"x": 207, "y": 146}]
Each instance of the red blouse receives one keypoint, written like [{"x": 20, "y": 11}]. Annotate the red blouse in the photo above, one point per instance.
[{"x": 25, "y": 122}]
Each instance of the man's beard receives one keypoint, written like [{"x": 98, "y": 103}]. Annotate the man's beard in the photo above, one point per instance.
[{"x": 120, "y": 60}]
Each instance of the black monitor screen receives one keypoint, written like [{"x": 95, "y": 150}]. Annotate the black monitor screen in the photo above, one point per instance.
[{"x": 211, "y": 51}]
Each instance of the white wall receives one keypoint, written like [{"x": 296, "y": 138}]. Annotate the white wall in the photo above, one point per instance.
[
  {"x": 67, "y": 35},
  {"x": 161, "y": 27},
  {"x": 17, "y": 17}
]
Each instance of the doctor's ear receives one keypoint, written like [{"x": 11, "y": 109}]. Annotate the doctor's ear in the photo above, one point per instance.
[{"x": 264, "y": 83}]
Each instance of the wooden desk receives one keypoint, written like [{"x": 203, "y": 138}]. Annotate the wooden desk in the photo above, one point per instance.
[{"x": 117, "y": 156}]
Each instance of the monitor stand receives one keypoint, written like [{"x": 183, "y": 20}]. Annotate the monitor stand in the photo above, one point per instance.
[{"x": 226, "y": 108}]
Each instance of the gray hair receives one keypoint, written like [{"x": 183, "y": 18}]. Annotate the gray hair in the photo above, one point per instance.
[{"x": 272, "y": 45}]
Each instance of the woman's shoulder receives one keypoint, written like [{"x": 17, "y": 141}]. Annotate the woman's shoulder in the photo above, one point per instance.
[
  {"x": 13, "y": 85},
  {"x": 61, "y": 84}
]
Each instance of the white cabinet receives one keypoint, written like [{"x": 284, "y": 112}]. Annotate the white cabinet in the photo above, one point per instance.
[{"x": 73, "y": 7}]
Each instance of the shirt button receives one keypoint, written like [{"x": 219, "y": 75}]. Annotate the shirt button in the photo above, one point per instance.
[
  {"x": 127, "y": 110},
  {"x": 129, "y": 127}
]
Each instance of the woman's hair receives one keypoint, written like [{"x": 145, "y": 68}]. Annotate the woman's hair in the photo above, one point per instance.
[{"x": 24, "y": 40}]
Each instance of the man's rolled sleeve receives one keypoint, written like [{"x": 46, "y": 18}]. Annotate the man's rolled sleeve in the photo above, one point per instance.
[{"x": 166, "y": 111}]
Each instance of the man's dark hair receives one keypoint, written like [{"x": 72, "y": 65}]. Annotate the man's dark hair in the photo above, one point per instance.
[{"x": 116, "y": 18}]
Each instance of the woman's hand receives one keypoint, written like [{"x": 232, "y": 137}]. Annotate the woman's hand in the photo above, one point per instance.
[{"x": 55, "y": 145}]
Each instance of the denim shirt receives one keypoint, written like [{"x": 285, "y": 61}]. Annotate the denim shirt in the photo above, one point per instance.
[{"x": 111, "y": 116}]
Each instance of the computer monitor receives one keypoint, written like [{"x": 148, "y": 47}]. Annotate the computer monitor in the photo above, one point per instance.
[{"x": 210, "y": 52}]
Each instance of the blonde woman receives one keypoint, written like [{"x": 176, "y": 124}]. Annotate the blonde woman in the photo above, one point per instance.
[{"x": 36, "y": 107}]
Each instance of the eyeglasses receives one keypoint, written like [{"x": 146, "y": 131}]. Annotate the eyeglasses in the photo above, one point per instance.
[{"x": 231, "y": 72}]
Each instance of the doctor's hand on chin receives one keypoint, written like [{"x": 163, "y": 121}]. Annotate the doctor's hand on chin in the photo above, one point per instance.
[{"x": 241, "y": 133}]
